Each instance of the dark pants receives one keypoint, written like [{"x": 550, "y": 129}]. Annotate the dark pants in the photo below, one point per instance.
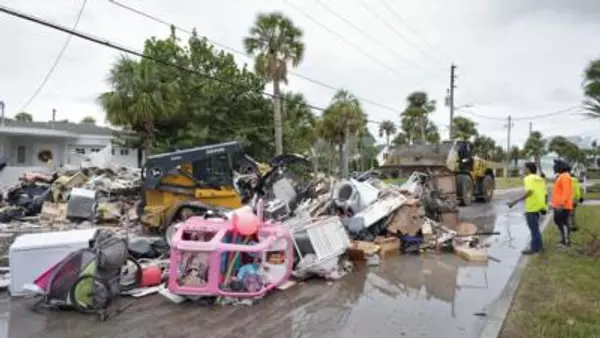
[
  {"x": 561, "y": 218},
  {"x": 572, "y": 225},
  {"x": 533, "y": 221}
]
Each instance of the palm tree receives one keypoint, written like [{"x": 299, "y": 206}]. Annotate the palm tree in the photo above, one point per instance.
[
  {"x": 24, "y": 117},
  {"x": 343, "y": 118},
  {"x": 138, "y": 99},
  {"x": 387, "y": 128},
  {"x": 515, "y": 155},
  {"x": 275, "y": 42},
  {"x": 592, "y": 89},
  {"x": 415, "y": 118},
  {"x": 535, "y": 146},
  {"x": 463, "y": 128},
  {"x": 484, "y": 146},
  {"x": 88, "y": 120}
]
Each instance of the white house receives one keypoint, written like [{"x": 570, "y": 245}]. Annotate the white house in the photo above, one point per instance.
[{"x": 26, "y": 146}]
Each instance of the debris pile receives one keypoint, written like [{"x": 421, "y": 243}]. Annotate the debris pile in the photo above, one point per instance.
[
  {"x": 67, "y": 199},
  {"x": 293, "y": 230}
]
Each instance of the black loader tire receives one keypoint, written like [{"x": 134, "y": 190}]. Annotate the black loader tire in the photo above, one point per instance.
[
  {"x": 487, "y": 189},
  {"x": 464, "y": 188}
]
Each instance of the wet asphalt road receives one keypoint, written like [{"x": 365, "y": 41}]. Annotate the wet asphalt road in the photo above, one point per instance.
[{"x": 433, "y": 295}]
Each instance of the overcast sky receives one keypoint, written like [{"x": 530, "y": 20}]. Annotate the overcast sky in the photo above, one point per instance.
[{"x": 523, "y": 58}]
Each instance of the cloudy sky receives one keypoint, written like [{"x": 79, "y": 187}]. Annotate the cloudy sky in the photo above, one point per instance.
[{"x": 523, "y": 58}]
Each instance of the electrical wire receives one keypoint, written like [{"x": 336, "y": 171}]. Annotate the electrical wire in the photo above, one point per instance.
[
  {"x": 524, "y": 118},
  {"x": 345, "y": 40},
  {"x": 373, "y": 39},
  {"x": 394, "y": 30},
  {"x": 407, "y": 25},
  {"x": 239, "y": 52},
  {"x": 56, "y": 61},
  {"x": 130, "y": 51}
]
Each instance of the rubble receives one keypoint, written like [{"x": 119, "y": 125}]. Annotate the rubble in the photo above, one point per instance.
[{"x": 330, "y": 226}]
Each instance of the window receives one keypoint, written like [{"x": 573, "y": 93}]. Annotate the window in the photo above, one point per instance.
[
  {"x": 80, "y": 151},
  {"x": 21, "y": 154},
  {"x": 95, "y": 150},
  {"x": 124, "y": 152}
]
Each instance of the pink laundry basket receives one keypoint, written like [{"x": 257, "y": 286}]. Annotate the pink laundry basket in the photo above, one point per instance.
[{"x": 202, "y": 253}]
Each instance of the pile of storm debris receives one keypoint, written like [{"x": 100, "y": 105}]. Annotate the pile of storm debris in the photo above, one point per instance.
[
  {"x": 67, "y": 199},
  {"x": 291, "y": 231}
]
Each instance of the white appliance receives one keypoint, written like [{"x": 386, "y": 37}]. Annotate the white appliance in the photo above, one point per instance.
[{"x": 32, "y": 254}]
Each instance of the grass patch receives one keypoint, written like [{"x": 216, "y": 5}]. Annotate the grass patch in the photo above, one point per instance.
[
  {"x": 508, "y": 182},
  {"x": 595, "y": 195},
  {"x": 559, "y": 291},
  {"x": 395, "y": 181}
]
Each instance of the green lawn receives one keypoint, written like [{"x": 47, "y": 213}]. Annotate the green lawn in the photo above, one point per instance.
[
  {"x": 595, "y": 195},
  {"x": 508, "y": 182},
  {"x": 559, "y": 295},
  {"x": 399, "y": 180}
]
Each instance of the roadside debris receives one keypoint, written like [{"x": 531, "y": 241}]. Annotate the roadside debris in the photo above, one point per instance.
[{"x": 293, "y": 230}]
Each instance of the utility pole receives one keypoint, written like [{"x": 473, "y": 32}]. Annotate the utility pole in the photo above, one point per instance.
[
  {"x": 509, "y": 129},
  {"x": 451, "y": 99},
  {"x": 530, "y": 127}
]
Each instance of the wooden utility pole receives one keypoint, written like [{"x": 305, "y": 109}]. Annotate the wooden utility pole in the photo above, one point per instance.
[
  {"x": 509, "y": 126},
  {"x": 451, "y": 99},
  {"x": 530, "y": 127}
]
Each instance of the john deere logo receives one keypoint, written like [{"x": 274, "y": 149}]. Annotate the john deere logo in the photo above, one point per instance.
[{"x": 156, "y": 172}]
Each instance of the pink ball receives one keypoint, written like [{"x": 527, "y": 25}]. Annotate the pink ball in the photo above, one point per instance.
[{"x": 247, "y": 223}]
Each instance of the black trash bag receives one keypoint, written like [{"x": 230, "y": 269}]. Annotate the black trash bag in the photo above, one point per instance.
[
  {"x": 141, "y": 248},
  {"x": 160, "y": 247}
]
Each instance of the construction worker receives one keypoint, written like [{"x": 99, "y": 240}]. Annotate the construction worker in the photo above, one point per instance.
[
  {"x": 562, "y": 201},
  {"x": 535, "y": 205},
  {"x": 577, "y": 198}
]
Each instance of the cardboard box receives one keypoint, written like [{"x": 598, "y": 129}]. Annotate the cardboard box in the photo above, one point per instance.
[
  {"x": 450, "y": 220},
  {"x": 359, "y": 250},
  {"x": 388, "y": 246}
]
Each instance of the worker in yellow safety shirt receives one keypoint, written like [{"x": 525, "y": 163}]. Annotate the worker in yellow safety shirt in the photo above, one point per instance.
[{"x": 577, "y": 198}]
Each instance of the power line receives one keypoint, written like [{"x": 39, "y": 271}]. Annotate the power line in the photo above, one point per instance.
[
  {"x": 371, "y": 38},
  {"x": 127, "y": 50},
  {"x": 394, "y": 30},
  {"x": 239, "y": 52},
  {"x": 412, "y": 29},
  {"x": 56, "y": 61},
  {"x": 344, "y": 39},
  {"x": 525, "y": 118}
]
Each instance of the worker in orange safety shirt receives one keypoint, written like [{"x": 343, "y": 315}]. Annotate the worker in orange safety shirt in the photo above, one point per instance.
[{"x": 562, "y": 200}]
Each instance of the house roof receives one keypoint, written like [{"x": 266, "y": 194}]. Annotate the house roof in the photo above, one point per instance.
[{"x": 77, "y": 128}]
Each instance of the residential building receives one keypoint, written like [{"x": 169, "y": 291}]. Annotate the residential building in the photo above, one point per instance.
[{"x": 28, "y": 145}]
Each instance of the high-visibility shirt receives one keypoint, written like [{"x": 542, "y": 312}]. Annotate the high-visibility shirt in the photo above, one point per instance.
[
  {"x": 562, "y": 194},
  {"x": 536, "y": 201},
  {"x": 576, "y": 188}
]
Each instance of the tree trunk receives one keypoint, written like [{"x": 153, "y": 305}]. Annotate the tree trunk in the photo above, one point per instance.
[
  {"x": 344, "y": 153},
  {"x": 140, "y": 156},
  {"x": 423, "y": 122},
  {"x": 277, "y": 119},
  {"x": 538, "y": 163}
]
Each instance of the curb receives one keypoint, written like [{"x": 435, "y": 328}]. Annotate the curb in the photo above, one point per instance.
[{"x": 499, "y": 310}]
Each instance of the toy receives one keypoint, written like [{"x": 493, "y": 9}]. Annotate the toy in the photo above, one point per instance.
[{"x": 210, "y": 257}]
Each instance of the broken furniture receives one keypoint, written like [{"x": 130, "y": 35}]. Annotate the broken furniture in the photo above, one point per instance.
[
  {"x": 318, "y": 241},
  {"x": 206, "y": 253}
]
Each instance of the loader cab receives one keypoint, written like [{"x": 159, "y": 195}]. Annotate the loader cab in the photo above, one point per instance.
[
  {"x": 188, "y": 182},
  {"x": 464, "y": 150}
]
